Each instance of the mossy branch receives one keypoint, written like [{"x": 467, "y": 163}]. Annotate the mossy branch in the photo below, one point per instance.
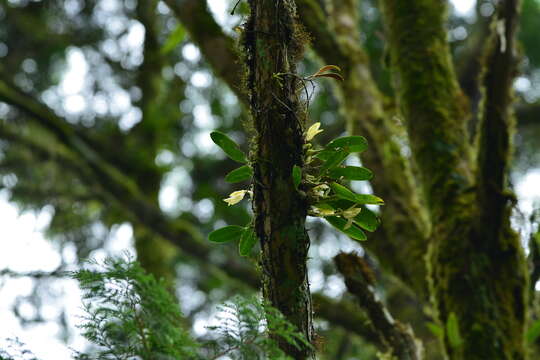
[
  {"x": 218, "y": 48},
  {"x": 432, "y": 103},
  {"x": 477, "y": 275},
  {"x": 497, "y": 123},
  {"x": 396, "y": 338}
]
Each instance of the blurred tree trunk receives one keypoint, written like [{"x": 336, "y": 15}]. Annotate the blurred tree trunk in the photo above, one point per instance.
[
  {"x": 273, "y": 45},
  {"x": 153, "y": 252},
  {"x": 476, "y": 267}
]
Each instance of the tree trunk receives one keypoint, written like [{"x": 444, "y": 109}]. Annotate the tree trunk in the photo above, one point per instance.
[
  {"x": 475, "y": 262},
  {"x": 273, "y": 44},
  {"x": 153, "y": 252}
]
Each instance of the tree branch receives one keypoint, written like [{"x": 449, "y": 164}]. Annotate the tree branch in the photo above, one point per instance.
[
  {"x": 218, "y": 49},
  {"x": 476, "y": 267},
  {"x": 397, "y": 339},
  {"x": 117, "y": 185},
  {"x": 496, "y": 125},
  {"x": 274, "y": 44},
  {"x": 432, "y": 103}
]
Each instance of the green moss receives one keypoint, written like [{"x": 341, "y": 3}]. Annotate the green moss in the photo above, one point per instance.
[
  {"x": 484, "y": 284},
  {"x": 430, "y": 98},
  {"x": 273, "y": 42},
  {"x": 475, "y": 263}
]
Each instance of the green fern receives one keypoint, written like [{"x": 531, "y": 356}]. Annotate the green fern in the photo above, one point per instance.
[
  {"x": 242, "y": 331},
  {"x": 129, "y": 314}
]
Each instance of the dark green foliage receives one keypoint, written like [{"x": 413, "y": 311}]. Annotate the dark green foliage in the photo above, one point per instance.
[
  {"x": 225, "y": 234},
  {"x": 130, "y": 314},
  {"x": 228, "y": 146},
  {"x": 247, "y": 241},
  {"x": 350, "y": 144},
  {"x": 297, "y": 176},
  {"x": 239, "y": 331},
  {"x": 319, "y": 178},
  {"x": 243, "y": 173},
  {"x": 351, "y": 173},
  {"x": 341, "y": 224}
]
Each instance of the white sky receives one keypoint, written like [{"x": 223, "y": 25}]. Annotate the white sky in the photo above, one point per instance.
[
  {"x": 23, "y": 247},
  {"x": 464, "y": 7}
]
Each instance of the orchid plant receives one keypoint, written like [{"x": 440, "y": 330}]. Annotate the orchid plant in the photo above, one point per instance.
[{"x": 323, "y": 180}]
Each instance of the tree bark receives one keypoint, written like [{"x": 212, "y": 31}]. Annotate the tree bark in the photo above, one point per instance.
[
  {"x": 476, "y": 265},
  {"x": 273, "y": 45},
  {"x": 398, "y": 338}
]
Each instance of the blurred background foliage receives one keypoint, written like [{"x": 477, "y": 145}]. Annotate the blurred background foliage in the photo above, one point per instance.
[{"x": 128, "y": 78}]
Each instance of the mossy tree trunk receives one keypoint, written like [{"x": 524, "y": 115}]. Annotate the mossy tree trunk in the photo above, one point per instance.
[
  {"x": 475, "y": 264},
  {"x": 273, "y": 46}
]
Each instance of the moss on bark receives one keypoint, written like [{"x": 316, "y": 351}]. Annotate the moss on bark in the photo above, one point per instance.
[
  {"x": 430, "y": 98},
  {"x": 475, "y": 261},
  {"x": 273, "y": 45}
]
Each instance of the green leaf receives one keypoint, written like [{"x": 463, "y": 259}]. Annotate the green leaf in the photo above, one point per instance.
[
  {"x": 351, "y": 173},
  {"x": 241, "y": 174},
  {"x": 324, "y": 155},
  {"x": 337, "y": 203},
  {"x": 175, "y": 38},
  {"x": 247, "y": 241},
  {"x": 348, "y": 143},
  {"x": 435, "y": 329},
  {"x": 342, "y": 192},
  {"x": 228, "y": 146},
  {"x": 452, "y": 331},
  {"x": 368, "y": 199},
  {"x": 225, "y": 234},
  {"x": 334, "y": 159},
  {"x": 533, "y": 332},
  {"x": 353, "y": 231},
  {"x": 367, "y": 220},
  {"x": 296, "y": 175}
]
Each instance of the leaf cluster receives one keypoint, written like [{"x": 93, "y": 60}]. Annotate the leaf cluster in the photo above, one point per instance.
[
  {"x": 239, "y": 331},
  {"x": 322, "y": 179},
  {"x": 131, "y": 314}
]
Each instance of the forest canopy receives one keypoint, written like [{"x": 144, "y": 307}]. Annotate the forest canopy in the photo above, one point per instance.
[{"x": 270, "y": 179}]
